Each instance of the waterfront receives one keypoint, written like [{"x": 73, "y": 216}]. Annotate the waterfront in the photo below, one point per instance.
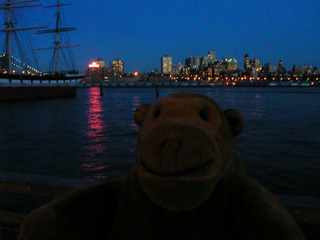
[{"x": 93, "y": 137}]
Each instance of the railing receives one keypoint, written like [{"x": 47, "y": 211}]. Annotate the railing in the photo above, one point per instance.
[{"x": 305, "y": 210}]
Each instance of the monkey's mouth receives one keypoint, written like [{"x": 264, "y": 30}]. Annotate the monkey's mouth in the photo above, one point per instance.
[{"x": 179, "y": 173}]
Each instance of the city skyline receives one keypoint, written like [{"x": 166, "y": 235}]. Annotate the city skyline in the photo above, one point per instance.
[
  {"x": 167, "y": 66},
  {"x": 140, "y": 32}
]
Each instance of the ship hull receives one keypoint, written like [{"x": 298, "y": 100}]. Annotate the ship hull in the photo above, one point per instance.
[
  {"x": 26, "y": 87},
  {"x": 19, "y": 93},
  {"x": 44, "y": 79}
]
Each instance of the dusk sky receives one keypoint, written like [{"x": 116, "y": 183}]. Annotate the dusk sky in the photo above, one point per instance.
[{"x": 140, "y": 32}]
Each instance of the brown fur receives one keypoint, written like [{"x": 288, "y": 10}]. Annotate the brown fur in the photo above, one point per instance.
[{"x": 187, "y": 183}]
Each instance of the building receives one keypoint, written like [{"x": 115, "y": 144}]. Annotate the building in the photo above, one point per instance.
[
  {"x": 269, "y": 69},
  {"x": 200, "y": 63},
  {"x": 155, "y": 72},
  {"x": 176, "y": 69},
  {"x": 307, "y": 70},
  {"x": 212, "y": 57},
  {"x": 204, "y": 62},
  {"x": 166, "y": 64},
  {"x": 251, "y": 67},
  {"x": 193, "y": 63},
  {"x": 98, "y": 71},
  {"x": 230, "y": 64},
  {"x": 102, "y": 62},
  {"x": 255, "y": 63},
  {"x": 281, "y": 69},
  {"x": 95, "y": 73},
  {"x": 185, "y": 72},
  {"x": 117, "y": 68},
  {"x": 246, "y": 62},
  {"x": 214, "y": 69}
]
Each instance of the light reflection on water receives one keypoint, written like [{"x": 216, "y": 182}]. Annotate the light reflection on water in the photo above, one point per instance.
[
  {"x": 97, "y": 137},
  {"x": 95, "y": 123},
  {"x": 136, "y": 100}
]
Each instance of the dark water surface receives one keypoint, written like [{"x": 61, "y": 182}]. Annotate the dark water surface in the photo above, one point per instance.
[{"x": 94, "y": 138}]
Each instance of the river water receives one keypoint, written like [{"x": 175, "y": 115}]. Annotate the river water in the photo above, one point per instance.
[{"x": 93, "y": 137}]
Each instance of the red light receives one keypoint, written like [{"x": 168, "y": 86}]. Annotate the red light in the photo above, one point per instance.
[{"x": 94, "y": 65}]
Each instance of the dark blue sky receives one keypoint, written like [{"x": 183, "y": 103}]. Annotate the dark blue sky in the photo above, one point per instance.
[{"x": 140, "y": 32}]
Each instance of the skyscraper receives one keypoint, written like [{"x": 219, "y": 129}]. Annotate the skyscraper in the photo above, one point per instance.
[
  {"x": 246, "y": 62},
  {"x": 176, "y": 69},
  {"x": 269, "y": 69},
  {"x": 117, "y": 67},
  {"x": 193, "y": 63},
  {"x": 212, "y": 56},
  {"x": 204, "y": 62},
  {"x": 230, "y": 64},
  {"x": 281, "y": 69},
  {"x": 255, "y": 63},
  {"x": 166, "y": 64}
]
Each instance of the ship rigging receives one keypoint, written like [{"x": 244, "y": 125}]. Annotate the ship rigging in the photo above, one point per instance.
[
  {"x": 17, "y": 51},
  {"x": 59, "y": 46}
]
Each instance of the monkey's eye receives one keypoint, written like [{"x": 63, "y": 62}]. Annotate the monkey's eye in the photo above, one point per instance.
[
  {"x": 157, "y": 113},
  {"x": 204, "y": 115}
]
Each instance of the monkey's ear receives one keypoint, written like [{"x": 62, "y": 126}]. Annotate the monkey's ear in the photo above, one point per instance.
[
  {"x": 236, "y": 121},
  {"x": 141, "y": 113}
]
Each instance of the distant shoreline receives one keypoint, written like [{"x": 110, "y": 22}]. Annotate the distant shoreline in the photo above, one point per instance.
[{"x": 199, "y": 84}]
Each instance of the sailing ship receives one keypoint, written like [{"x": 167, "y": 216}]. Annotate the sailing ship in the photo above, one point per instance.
[{"x": 21, "y": 80}]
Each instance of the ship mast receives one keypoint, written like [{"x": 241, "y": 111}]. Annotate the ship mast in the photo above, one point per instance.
[
  {"x": 57, "y": 30},
  {"x": 9, "y": 6}
]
